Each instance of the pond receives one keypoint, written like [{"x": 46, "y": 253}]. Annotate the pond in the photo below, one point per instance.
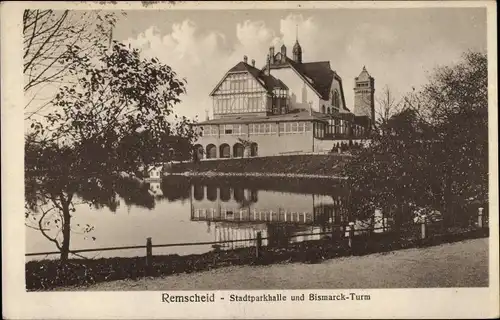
[{"x": 187, "y": 210}]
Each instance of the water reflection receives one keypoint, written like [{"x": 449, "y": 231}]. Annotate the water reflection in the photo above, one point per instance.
[
  {"x": 182, "y": 209},
  {"x": 238, "y": 210}
]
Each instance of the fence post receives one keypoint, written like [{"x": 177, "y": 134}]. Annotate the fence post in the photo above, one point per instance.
[
  {"x": 149, "y": 256},
  {"x": 258, "y": 245},
  {"x": 424, "y": 227},
  {"x": 351, "y": 234},
  {"x": 480, "y": 217}
]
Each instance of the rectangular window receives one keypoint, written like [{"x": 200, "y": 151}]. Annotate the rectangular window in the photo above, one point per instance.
[
  {"x": 214, "y": 131},
  {"x": 238, "y": 84},
  {"x": 222, "y": 105},
  {"x": 237, "y": 129},
  {"x": 282, "y": 127},
  {"x": 228, "y": 129},
  {"x": 262, "y": 128},
  {"x": 253, "y": 104}
]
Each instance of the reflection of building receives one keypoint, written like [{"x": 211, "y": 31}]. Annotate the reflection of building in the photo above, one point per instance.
[
  {"x": 282, "y": 218},
  {"x": 154, "y": 172},
  {"x": 288, "y": 106},
  {"x": 155, "y": 188},
  {"x": 223, "y": 203},
  {"x": 227, "y": 232}
]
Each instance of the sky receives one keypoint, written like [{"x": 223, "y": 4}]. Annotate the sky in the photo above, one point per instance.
[{"x": 399, "y": 47}]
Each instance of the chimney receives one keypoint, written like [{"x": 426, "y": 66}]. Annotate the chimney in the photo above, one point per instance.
[
  {"x": 268, "y": 65},
  {"x": 245, "y": 59},
  {"x": 253, "y": 62},
  {"x": 271, "y": 53},
  {"x": 206, "y": 115}
]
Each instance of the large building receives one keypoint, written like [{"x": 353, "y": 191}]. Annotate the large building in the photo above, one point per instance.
[{"x": 286, "y": 107}]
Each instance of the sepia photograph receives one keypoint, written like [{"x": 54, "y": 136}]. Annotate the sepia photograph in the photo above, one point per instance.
[{"x": 195, "y": 150}]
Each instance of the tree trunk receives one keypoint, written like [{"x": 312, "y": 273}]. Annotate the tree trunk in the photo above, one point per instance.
[{"x": 66, "y": 231}]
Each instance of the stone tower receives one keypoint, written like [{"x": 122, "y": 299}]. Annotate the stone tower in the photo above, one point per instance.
[{"x": 364, "y": 95}]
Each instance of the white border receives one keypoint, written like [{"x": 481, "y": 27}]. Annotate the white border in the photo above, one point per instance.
[{"x": 385, "y": 303}]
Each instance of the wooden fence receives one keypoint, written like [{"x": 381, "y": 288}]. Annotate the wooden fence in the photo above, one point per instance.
[{"x": 348, "y": 231}]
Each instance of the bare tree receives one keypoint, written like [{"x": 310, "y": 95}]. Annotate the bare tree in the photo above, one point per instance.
[
  {"x": 54, "y": 40},
  {"x": 247, "y": 145},
  {"x": 386, "y": 107}
]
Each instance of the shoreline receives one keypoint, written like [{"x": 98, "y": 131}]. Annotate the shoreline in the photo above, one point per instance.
[{"x": 252, "y": 174}]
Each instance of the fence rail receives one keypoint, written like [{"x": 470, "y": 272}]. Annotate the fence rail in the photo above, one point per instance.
[{"x": 420, "y": 230}]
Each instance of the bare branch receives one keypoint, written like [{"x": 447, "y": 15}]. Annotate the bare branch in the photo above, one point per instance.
[{"x": 44, "y": 233}]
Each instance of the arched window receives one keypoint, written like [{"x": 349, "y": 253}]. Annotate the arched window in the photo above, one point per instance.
[
  {"x": 254, "y": 148},
  {"x": 211, "y": 151},
  {"x": 225, "y": 193},
  {"x": 199, "y": 192},
  {"x": 239, "y": 194},
  {"x": 329, "y": 111},
  {"x": 238, "y": 150},
  {"x": 225, "y": 151},
  {"x": 336, "y": 99},
  {"x": 323, "y": 109},
  {"x": 212, "y": 193}
]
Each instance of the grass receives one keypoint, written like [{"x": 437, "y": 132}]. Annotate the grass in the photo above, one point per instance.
[
  {"x": 459, "y": 264},
  {"x": 50, "y": 274}
]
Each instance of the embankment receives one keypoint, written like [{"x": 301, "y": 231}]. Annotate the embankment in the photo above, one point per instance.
[{"x": 312, "y": 166}]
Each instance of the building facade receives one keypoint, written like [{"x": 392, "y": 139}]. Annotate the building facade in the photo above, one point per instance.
[{"x": 286, "y": 107}]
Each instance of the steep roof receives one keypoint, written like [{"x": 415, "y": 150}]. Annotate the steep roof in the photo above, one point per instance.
[
  {"x": 318, "y": 75},
  {"x": 364, "y": 75},
  {"x": 267, "y": 81}
]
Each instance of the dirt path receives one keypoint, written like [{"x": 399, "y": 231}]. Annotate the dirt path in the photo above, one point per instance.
[{"x": 461, "y": 264}]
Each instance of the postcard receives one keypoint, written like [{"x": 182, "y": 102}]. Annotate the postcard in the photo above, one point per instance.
[{"x": 254, "y": 160}]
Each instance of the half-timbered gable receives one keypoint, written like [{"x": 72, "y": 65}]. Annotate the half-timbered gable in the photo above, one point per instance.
[{"x": 288, "y": 106}]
